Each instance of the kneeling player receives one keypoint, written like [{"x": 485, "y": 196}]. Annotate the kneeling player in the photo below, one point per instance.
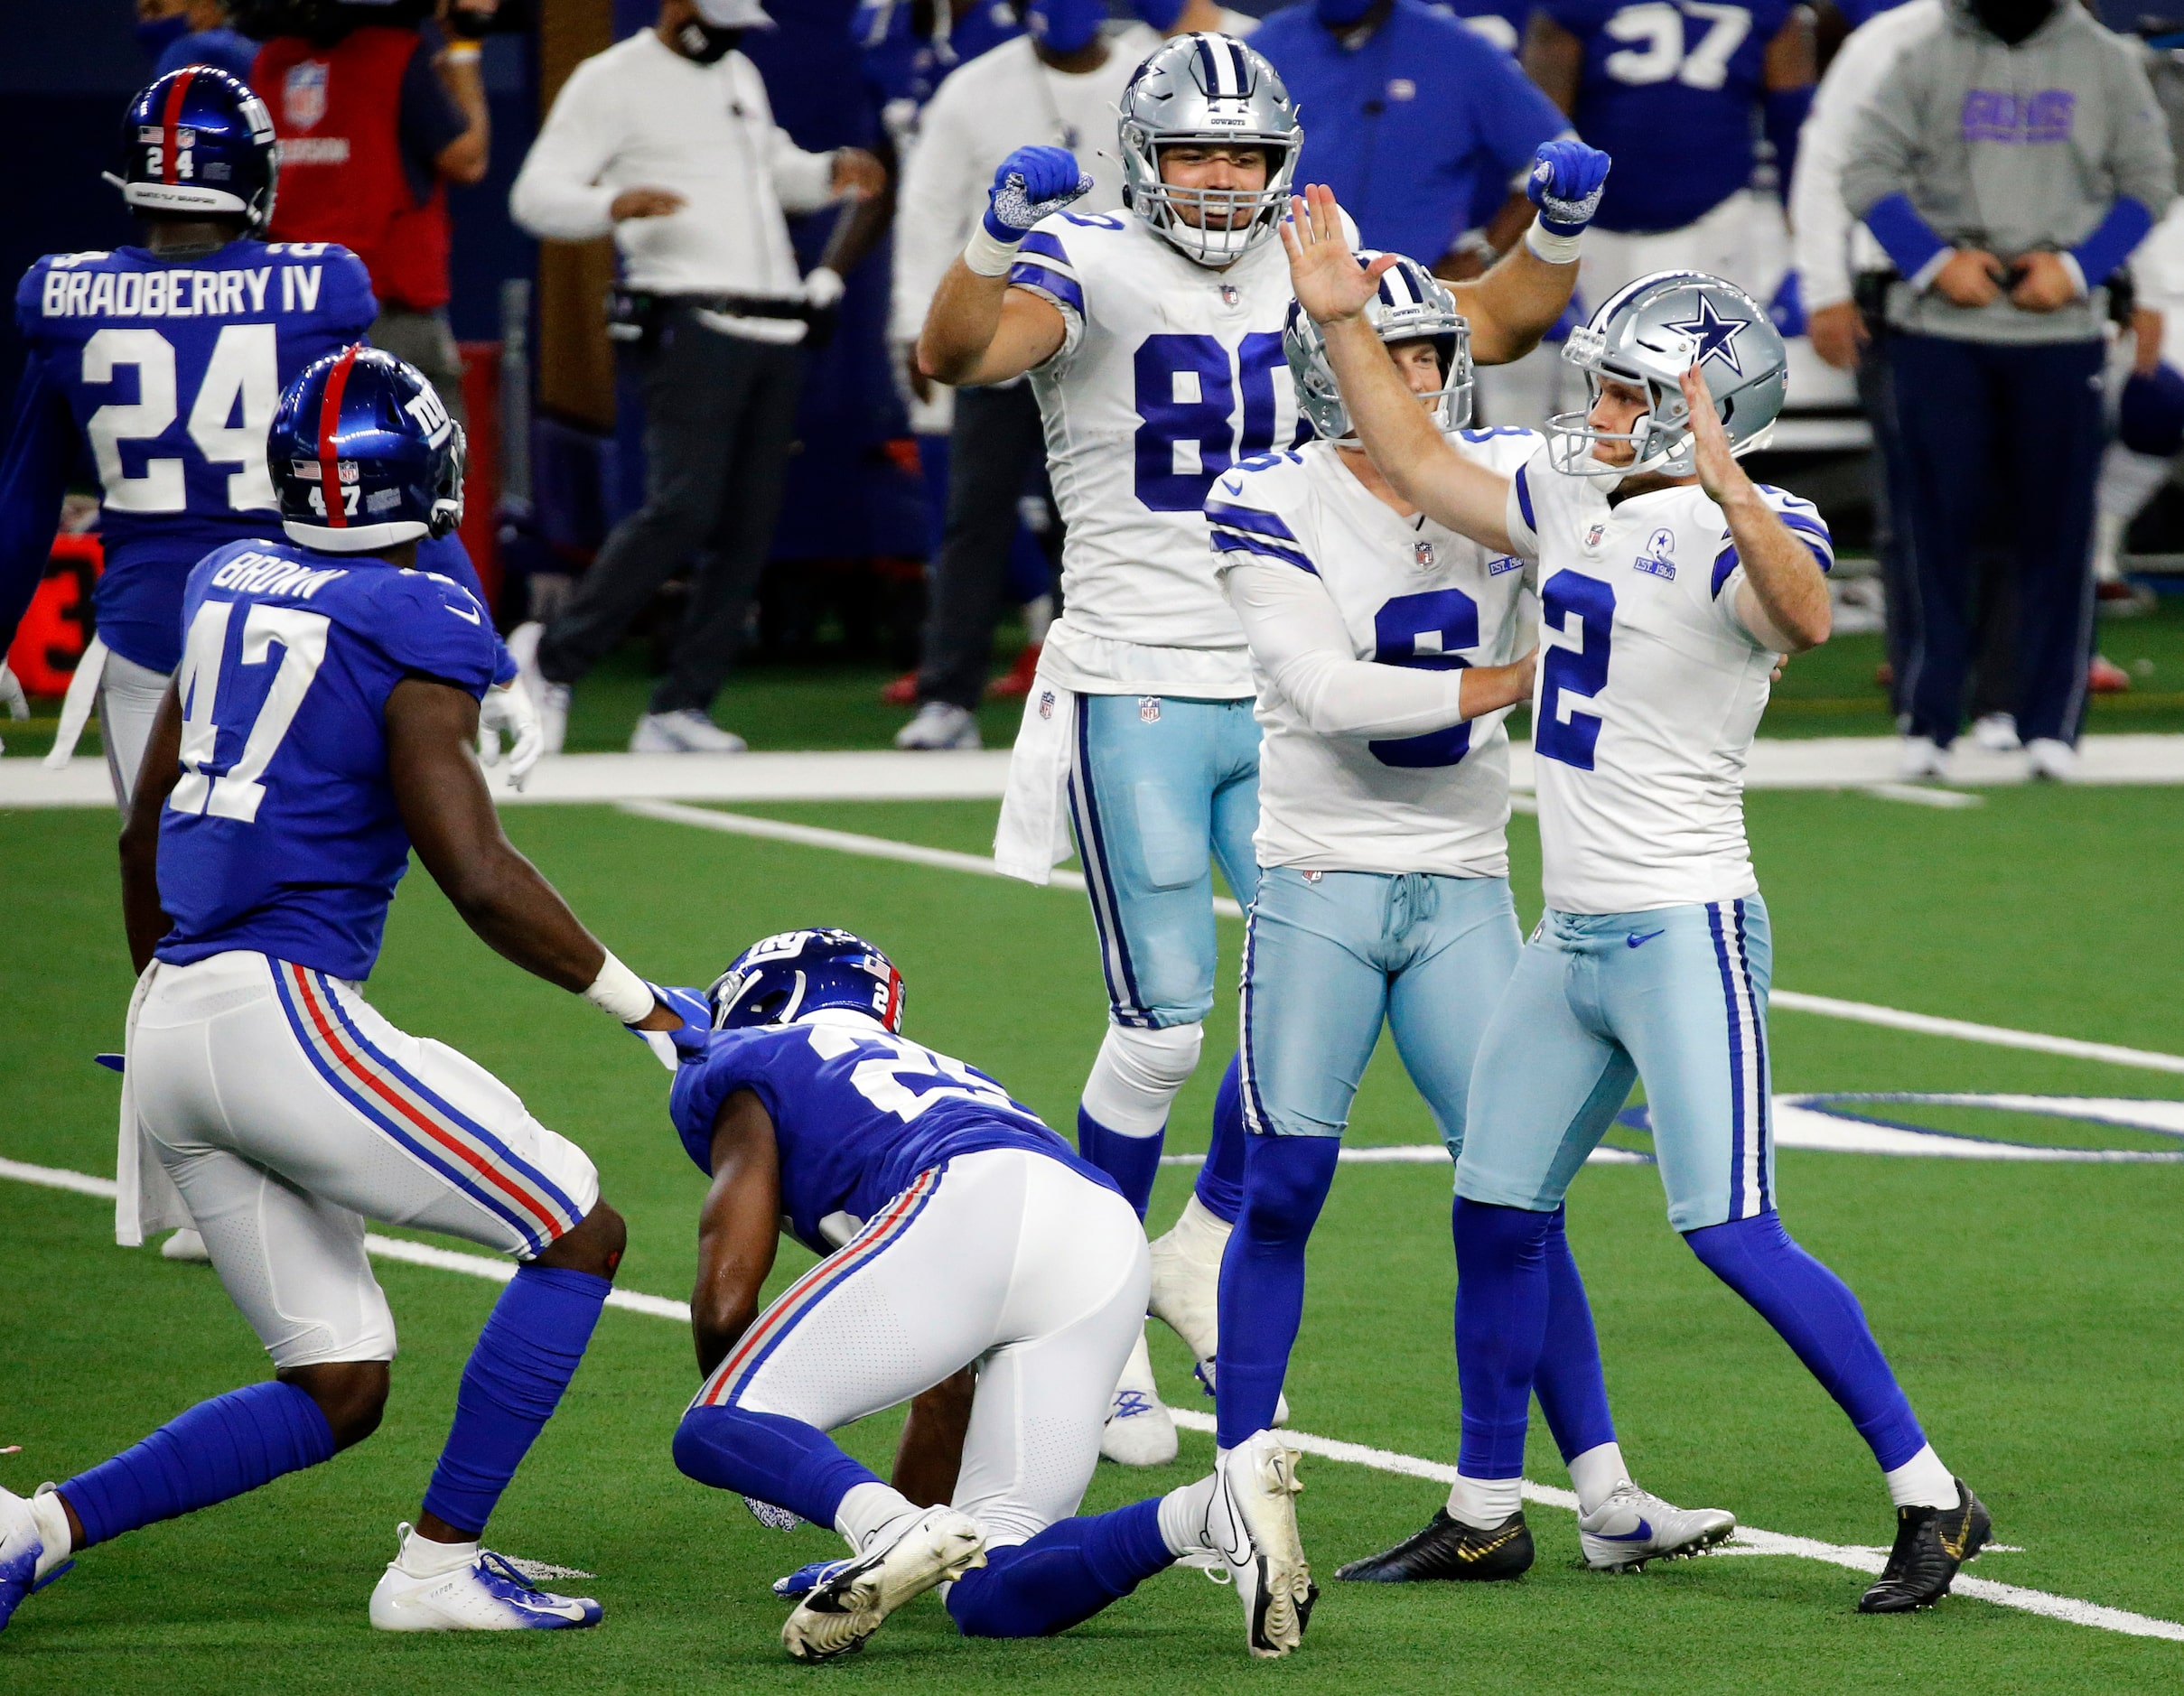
[
  {"x": 1673, "y": 581},
  {"x": 960, "y": 1232},
  {"x": 1385, "y": 649},
  {"x": 319, "y": 728}
]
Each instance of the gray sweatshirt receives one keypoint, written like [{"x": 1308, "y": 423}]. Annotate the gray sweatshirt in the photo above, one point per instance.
[{"x": 2010, "y": 149}]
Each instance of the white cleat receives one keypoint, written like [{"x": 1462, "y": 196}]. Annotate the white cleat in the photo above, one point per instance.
[
  {"x": 684, "y": 731},
  {"x": 21, "y": 1553},
  {"x": 482, "y": 1593},
  {"x": 1996, "y": 732},
  {"x": 940, "y": 724},
  {"x": 550, "y": 699},
  {"x": 2055, "y": 762},
  {"x": 1921, "y": 759},
  {"x": 1140, "y": 1431},
  {"x": 1187, "y": 1287},
  {"x": 1633, "y": 1526},
  {"x": 1252, "y": 1521},
  {"x": 184, "y": 1245},
  {"x": 840, "y": 1612}
]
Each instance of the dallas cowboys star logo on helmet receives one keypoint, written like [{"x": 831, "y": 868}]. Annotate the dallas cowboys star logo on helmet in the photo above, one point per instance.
[{"x": 1716, "y": 336}]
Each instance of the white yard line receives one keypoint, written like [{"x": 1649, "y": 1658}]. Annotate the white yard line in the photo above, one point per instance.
[
  {"x": 1789, "y": 1001},
  {"x": 1748, "y": 1540}
]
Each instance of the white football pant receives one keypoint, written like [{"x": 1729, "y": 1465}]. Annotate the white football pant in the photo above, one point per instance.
[{"x": 128, "y": 701}]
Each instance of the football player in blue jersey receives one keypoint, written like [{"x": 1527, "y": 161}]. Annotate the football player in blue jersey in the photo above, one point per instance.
[
  {"x": 319, "y": 728},
  {"x": 959, "y": 1232},
  {"x": 1672, "y": 90},
  {"x": 166, "y": 359}
]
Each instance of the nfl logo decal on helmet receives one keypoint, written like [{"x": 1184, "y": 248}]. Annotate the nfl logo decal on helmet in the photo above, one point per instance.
[
  {"x": 1647, "y": 335},
  {"x": 1206, "y": 89},
  {"x": 198, "y": 142},
  {"x": 1412, "y": 305},
  {"x": 363, "y": 455},
  {"x": 779, "y": 979}
]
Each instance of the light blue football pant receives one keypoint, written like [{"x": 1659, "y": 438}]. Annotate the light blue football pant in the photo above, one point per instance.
[
  {"x": 1677, "y": 997},
  {"x": 1329, "y": 955},
  {"x": 1159, "y": 788}
]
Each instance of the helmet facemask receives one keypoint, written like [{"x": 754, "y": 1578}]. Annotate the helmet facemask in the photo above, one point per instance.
[{"x": 1209, "y": 226}]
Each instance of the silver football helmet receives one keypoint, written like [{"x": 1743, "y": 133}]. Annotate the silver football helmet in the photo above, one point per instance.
[
  {"x": 1412, "y": 305},
  {"x": 1647, "y": 334},
  {"x": 1208, "y": 88}
]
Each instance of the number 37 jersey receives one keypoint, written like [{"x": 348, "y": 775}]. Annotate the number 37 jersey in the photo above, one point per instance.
[
  {"x": 1649, "y": 693},
  {"x": 1169, "y": 374},
  {"x": 282, "y": 834}
]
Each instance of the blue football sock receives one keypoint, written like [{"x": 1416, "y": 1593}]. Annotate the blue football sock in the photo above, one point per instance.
[
  {"x": 219, "y": 1449},
  {"x": 523, "y": 1361},
  {"x": 1503, "y": 1291},
  {"x": 1220, "y": 1185},
  {"x": 1285, "y": 1183},
  {"x": 1572, "y": 1392},
  {"x": 1063, "y": 1576},
  {"x": 770, "y": 1457},
  {"x": 1819, "y": 1318},
  {"x": 1133, "y": 1162}
]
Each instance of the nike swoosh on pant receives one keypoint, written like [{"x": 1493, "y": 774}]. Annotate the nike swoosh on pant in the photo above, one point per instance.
[{"x": 1638, "y": 942}]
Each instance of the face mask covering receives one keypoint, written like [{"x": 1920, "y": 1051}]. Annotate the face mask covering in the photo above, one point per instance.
[
  {"x": 1064, "y": 26},
  {"x": 161, "y": 33},
  {"x": 704, "y": 44},
  {"x": 1340, "y": 14},
  {"x": 2013, "y": 20}
]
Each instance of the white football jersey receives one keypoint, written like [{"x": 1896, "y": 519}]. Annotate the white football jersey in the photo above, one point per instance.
[
  {"x": 1169, "y": 375},
  {"x": 1650, "y": 690},
  {"x": 1403, "y": 592}
]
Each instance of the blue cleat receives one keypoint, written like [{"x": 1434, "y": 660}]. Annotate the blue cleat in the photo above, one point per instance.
[
  {"x": 808, "y": 1578},
  {"x": 484, "y": 1593}
]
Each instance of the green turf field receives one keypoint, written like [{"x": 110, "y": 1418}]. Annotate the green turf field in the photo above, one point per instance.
[{"x": 2030, "y": 1309}]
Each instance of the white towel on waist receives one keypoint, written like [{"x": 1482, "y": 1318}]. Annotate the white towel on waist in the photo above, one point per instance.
[{"x": 1033, "y": 836}]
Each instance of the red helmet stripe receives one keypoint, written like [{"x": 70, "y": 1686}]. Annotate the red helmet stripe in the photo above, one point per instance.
[
  {"x": 170, "y": 124},
  {"x": 330, "y": 422}
]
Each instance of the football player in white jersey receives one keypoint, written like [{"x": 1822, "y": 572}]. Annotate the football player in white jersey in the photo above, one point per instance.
[
  {"x": 1382, "y": 643},
  {"x": 1154, "y": 338},
  {"x": 1669, "y": 582}
]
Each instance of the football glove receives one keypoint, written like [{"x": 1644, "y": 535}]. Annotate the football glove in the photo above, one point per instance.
[
  {"x": 507, "y": 711},
  {"x": 1566, "y": 182},
  {"x": 11, "y": 693},
  {"x": 1032, "y": 184}
]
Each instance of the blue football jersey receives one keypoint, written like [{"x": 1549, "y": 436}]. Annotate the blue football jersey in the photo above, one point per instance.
[
  {"x": 857, "y": 1114},
  {"x": 169, "y": 371},
  {"x": 1673, "y": 92},
  {"x": 282, "y": 834}
]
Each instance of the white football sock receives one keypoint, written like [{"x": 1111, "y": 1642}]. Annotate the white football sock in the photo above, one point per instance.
[
  {"x": 870, "y": 1509},
  {"x": 52, "y": 1521},
  {"x": 1183, "y": 1515},
  {"x": 1594, "y": 1474},
  {"x": 1484, "y": 1503},
  {"x": 1137, "y": 1075},
  {"x": 1922, "y": 1481},
  {"x": 421, "y": 1558}
]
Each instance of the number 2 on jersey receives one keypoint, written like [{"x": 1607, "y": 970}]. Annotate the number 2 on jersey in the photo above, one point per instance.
[
  {"x": 1186, "y": 403},
  {"x": 236, "y": 793},
  {"x": 242, "y": 377},
  {"x": 1564, "y": 733}
]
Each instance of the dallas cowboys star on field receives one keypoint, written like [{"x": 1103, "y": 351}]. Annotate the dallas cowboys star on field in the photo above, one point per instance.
[{"x": 1671, "y": 582}]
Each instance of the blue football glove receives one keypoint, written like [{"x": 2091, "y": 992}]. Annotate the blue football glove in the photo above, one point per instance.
[
  {"x": 1032, "y": 183},
  {"x": 1566, "y": 182}
]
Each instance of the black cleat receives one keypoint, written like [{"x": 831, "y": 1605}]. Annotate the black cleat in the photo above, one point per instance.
[
  {"x": 1931, "y": 1543},
  {"x": 1449, "y": 1549}
]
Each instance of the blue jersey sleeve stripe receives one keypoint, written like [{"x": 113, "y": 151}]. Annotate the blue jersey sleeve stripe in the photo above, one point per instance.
[
  {"x": 1724, "y": 563},
  {"x": 1062, "y": 289},
  {"x": 1523, "y": 500},
  {"x": 1239, "y": 542},
  {"x": 1045, "y": 243},
  {"x": 1249, "y": 518},
  {"x": 1826, "y": 559}
]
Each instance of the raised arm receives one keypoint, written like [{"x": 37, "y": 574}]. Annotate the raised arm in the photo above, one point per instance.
[
  {"x": 1393, "y": 428},
  {"x": 979, "y": 330},
  {"x": 738, "y": 1230},
  {"x": 1784, "y": 601}
]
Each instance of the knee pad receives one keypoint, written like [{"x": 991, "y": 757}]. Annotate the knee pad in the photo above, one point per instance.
[{"x": 1137, "y": 1074}]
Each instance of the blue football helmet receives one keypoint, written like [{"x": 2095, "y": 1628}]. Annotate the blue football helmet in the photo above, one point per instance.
[
  {"x": 197, "y": 142},
  {"x": 363, "y": 454},
  {"x": 778, "y": 979}
]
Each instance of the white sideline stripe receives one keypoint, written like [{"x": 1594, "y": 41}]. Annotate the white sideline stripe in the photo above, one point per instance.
[
  {"x": 1426, "y": 1155},
  {"x": 1749, "y": 1540},
  {"x": 1918, "y": 794},
  {"x": 981, "y": 865}
]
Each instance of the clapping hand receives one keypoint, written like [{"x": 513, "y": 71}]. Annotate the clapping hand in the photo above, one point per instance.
[{"x": 1328, "y": 282}]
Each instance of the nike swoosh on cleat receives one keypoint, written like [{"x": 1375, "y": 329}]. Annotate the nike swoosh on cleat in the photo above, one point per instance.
[
  {"x": 1644, "y": 1530},
  {"x": 1639, "y": 942}
]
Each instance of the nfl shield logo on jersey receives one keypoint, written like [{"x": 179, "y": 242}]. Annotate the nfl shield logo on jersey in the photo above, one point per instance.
[
  {"x": 1046, "y": 703},
  {"x": 303, "y": 93},
  {"x": 1423, "y": 552},
  {"x": 1593, "y": 536}
]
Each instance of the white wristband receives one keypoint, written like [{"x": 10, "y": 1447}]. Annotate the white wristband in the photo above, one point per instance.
[
  {"x": 1550, "y": 248},
  {"x": 985, "y": 255},
  {"x": 621, "y": 992}
]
